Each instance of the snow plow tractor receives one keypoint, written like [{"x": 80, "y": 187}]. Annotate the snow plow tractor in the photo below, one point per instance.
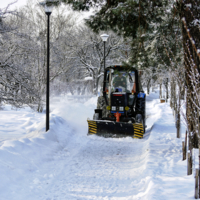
[{"x": 121, "y": 108}]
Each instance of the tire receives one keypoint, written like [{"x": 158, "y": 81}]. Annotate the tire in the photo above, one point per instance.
[
  {"x": 140, "y": 105},
  {"x": 101, "y": 104}
]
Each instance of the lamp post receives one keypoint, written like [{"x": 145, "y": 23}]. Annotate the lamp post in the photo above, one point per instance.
[
  {"x": 48, "y": 7},
  {"x": 104, "y": 37}
]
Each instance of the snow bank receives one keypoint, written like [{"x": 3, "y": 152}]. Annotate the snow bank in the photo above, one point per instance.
[{"x": 20, "y": 159}]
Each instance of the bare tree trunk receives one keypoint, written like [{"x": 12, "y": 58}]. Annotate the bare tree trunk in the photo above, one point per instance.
[
  {"x": 70, "y": 89},
  {"x": 84, "y": 88},
  {"x": 167, "y": 92},
  {"x": 171, "y": 95},
  {"x": 160, "y": 90},
  {"x": 175, "y": 99},
  {"x": 148, "y": 86}
]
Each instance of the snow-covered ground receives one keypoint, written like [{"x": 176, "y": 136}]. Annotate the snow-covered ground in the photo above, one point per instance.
[{"x": 66, "y": 164}]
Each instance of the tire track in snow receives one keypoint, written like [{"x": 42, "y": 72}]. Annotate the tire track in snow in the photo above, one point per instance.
[
  {"x": 101, "y": 168},
  {"x": 92, "y": 167}
]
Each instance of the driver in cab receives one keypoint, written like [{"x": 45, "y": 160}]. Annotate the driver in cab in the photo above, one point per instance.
[{"x": 119, "y": 81}]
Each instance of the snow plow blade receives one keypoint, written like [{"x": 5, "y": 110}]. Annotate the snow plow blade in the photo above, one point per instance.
[{"x": 115, "y": 129}]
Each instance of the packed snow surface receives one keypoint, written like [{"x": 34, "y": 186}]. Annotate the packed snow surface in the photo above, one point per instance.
[{"x": 66, "y": 164}]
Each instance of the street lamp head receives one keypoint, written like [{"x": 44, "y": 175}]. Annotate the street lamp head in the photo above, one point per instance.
[
  {"x": 104, "y": 37},
  {"x": 48, "y": 5},
  {"x": 48, "y": 9}
]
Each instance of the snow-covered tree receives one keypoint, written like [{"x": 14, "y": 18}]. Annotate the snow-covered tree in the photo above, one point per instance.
[{"x": 16, "y": 86}]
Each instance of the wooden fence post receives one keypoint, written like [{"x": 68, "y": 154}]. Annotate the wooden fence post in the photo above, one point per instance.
[
  {"x": 178, "y": 117},
  {"x": 196, "y": 196},
  {"x": 160, "y": 90},
  {"x": 190, "y": 148},
  {"x": 189, "y": 164},
  {"x": 178, "y": 125},
  {"x": 185, "y": 143},
  {"x": 183, "y": 149}
]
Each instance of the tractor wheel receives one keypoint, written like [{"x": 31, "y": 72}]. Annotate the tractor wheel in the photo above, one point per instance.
[{"x": 101, "y": 104}]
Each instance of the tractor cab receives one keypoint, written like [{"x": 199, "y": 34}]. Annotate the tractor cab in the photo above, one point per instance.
[{"x": 121, "y": 86}]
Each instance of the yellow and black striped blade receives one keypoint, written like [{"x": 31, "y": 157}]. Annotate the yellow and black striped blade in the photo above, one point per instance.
[
  {"x": 110, "y": 128},
  {"x": 138, "y": 130},
  {"x": 92, "y": 127},
  {"x": 115, "y": 128}
]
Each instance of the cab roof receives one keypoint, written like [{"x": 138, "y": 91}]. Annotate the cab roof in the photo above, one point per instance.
[{"x": 121, "y": 68}]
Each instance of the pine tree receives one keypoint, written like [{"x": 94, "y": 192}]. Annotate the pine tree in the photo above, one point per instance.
[
  {"x": 122, "y": 16},
  {"x": 136, "y": 19}
]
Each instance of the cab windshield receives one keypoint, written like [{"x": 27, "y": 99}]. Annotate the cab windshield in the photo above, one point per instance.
[{"x": 122, "y": 81}]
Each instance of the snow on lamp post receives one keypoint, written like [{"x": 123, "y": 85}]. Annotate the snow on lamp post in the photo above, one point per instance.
[
  {"x": 104, "y": 37},
  {"x": 48, "y": 7}
]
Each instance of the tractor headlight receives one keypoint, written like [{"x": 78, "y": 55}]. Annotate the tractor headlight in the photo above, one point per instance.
[
  {"x": 108, "y": 107},
  {"x": 121, "y": 108},
  {"x": 126, "y": 108},
  {"x": 114, "y": 108}
]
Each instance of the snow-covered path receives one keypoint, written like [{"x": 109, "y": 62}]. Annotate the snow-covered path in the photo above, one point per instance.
[
  {"x": 66, "y": 164},
  {"x": 97, "y": 170}
]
